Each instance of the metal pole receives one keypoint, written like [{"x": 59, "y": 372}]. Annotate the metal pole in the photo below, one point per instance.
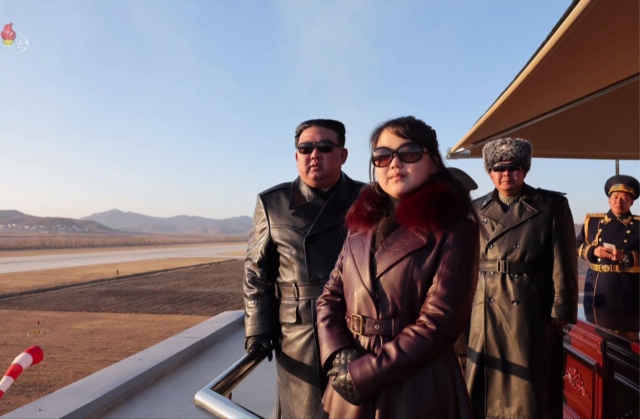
[{"x": 617, "y": 167}]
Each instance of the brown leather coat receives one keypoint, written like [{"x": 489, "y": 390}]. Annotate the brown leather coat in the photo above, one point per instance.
[
  {"x": 421, "y": 280},
  {"x": 515, "y": 352}
]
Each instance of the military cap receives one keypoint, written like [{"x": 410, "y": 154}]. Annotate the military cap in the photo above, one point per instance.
[
  {"x": 463, "y": 178},
  {"x": 622, "y": 183},
  {"x": 517, "y": 150}
]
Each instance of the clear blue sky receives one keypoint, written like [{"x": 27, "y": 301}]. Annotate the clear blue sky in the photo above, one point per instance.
[{"x": 189, "y": 107}]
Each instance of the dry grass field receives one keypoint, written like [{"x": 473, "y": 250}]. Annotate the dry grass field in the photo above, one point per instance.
[
  {"x": 85, "y": 328},
  {"x": 17, "y": 282}
]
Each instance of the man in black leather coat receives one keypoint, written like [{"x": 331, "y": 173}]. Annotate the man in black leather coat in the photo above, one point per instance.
[{"x": 298, "y": 231}]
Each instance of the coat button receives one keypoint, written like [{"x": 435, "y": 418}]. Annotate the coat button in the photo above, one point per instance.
[
  {"x": 626, "y": 241},
  {"x": 516, "y": 246},
  {"x": 515, "y": 302},
  {"x": 600, "y": 239},
  {"x": 514, "y": 275},
  {"x": 599, "y": 229},
  {"x": 491, "y": 246},
  {"x": 377, "y": 326},
  {"x": 631, "y": 223},
  {"x": 628, "y": 231},
  {"x": 490, "y": 300},
  {"x": 599, "y": 260},
  {"x": 484, "y": 221},
  {"x": 490, "y": 273}
]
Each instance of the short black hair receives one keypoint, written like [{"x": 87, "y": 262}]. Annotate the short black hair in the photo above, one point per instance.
[{"x": 331, "y": 124}]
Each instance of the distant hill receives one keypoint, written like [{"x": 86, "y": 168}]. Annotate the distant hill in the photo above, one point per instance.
[
  {"x": 181, "y": 224},
  {"x": 16, "y": 221}
]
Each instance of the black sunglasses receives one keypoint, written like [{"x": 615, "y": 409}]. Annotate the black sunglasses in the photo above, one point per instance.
[
  {"x": 506, "y": 167},
  {"x": 322, "y": 146},
  {"x": 407, "y": 153}
]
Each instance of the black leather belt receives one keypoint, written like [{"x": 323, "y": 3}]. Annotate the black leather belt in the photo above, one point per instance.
[
  {"x": 301, "y": 291},
  {"x": 508, "y": 267},
  {"x": 362, "y": 325}
]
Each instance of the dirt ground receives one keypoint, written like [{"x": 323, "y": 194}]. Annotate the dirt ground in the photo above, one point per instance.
[
  {"x": 20, "y": 253},
  {"x": 32, "y": 280},
  {"x": 17, "y": 242},
  {"x": 89, "y": 327}
]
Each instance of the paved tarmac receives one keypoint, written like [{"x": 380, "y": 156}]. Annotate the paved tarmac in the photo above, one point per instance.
[{"x": 36, "y": 263}]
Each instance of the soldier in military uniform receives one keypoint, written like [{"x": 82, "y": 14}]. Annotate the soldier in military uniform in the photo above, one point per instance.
[
  {"x": 298, "y": 231},
  {"x": 610, "y": 242},
  {"x": 527, "y": 291}
]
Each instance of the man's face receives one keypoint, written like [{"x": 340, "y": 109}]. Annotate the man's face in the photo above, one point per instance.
[
  {"x": 508, "y": 177},
  {"x": 317, "y": 169},
  {"x": 620, "y": 203}
]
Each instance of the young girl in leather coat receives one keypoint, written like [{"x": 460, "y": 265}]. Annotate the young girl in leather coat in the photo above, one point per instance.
[{"x": 402, "y": 288}]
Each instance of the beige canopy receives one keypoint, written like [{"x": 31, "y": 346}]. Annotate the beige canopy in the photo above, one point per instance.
[{"x": 578, "y": 97}]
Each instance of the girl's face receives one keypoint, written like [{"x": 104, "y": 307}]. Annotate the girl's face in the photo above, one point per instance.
[{"x": 398, "y": 179}]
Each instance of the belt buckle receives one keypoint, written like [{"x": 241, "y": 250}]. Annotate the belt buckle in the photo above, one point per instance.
[
  {"x": 360, "y": 323},
  {"x": 606, "y": 268},
  {"x": 503, "y": 266}
]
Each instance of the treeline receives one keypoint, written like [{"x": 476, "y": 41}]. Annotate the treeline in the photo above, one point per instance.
[{"x": 23, "y": 242}]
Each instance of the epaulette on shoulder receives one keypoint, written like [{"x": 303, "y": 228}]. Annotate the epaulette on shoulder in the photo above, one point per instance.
[
  {"x": 636, "y": 217},
  {"x": 551, "y": 192},
  {"x": 284, "y": 185},
  {"x": 594, "y": 215}
]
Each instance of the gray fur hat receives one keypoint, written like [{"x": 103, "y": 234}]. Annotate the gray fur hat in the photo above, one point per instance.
[{"x": 517, "y": 150}]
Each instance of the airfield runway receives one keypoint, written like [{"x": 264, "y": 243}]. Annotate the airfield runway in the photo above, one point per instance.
[{"x": 35, "y": 263}]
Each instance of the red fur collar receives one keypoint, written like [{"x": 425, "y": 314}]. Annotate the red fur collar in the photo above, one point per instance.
[{"x": 433, "y": 208}]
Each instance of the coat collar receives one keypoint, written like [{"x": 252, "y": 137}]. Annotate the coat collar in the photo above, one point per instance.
[
  {"x": 322, "y": 215},
  {"x": 520, "y": 212},
  {"x": 527, "y": 193},
  {"x": 431, "y": 210},
  {"x": 624, "y": 219},
  {"x": 301, "y": 194}
]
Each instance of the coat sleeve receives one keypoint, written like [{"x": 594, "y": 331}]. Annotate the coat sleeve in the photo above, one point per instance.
[
  {"x": 443, "y": 314},
  {"x": 565, "y": 264},
  {"x": 260, "y": 304},
  {"x": 332, "y": 332},
  {"x": 585, "y": 249}
]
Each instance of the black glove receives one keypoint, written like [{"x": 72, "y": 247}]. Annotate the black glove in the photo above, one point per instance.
[
  {"x": 259, "y": 343},
  {"x": 342, "y": 382}
]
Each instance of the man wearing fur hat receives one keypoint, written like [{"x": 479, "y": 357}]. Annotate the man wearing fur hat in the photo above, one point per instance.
[
  {"x": 527, "y": 291},
  {"x": 609, "y": 242}
]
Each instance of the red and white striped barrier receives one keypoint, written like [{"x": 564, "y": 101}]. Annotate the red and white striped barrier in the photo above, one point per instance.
[{"x": 28, "y": 357}]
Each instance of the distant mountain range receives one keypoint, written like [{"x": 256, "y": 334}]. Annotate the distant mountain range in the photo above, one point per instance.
[
  {"x": 116, "y": 222},
  {"x": 16, "y": 221},
  {"x": 181, "y": 224}
]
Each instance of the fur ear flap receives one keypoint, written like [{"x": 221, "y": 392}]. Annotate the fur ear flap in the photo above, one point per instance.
[{"x": 433, "y": 208}]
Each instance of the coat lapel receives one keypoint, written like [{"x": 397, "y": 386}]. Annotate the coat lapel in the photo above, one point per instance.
[
  {"x": 519, "y": 213},
  {"x": 304, "y": 205},
  {"x": 361, "y": 253},
  {"x": 398, "y": 245},
  {"x": 334, "y": 211}
]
